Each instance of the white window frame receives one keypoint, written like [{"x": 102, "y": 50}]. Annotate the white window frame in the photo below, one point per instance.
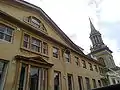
[{"x": 5, "y": 33}]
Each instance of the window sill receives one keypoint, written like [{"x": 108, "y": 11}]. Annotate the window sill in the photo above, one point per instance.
[
  {"x": 38, "y": 53},
  {"x": 4, "y": 41}
]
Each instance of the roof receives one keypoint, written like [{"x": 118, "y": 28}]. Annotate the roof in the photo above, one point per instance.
[
  {"x": 51, "y": 22},
  {"x": 101, "y": 49},
  {"x": 116, "y": 68},
  {"x": 93, "y": 30}
]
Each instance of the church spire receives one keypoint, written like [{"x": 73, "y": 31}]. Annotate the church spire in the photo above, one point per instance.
[
  {"x": 95, "y": 37},
  {"x": 93, "y": 30},
  {"x": 92, "y": 26}
]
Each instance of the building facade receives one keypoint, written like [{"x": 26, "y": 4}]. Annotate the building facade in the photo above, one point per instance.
[
  {"x": 104, "y": 55},
  {"x": 35, "y": 54}
]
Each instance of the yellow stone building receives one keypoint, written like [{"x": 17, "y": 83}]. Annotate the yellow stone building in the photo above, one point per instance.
[{"x": 35, "y": 54}]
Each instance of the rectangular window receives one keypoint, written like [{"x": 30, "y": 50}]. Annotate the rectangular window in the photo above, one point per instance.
[
  {"x": 22, "y": 80},
  {"x": 101, "y": 70},
  {"x": 90, "y": 66},
  {"x": 37, "y": 78},
  {"x": 77, "y": 61},
  {"x": 36, "y": 45},
  {"x": 95, "y": 67},
  {"x": 113, "y": 81},
  {"x": 55, "y": 52},
  {"x": 80, "y": 82},
  {"x": 70, "y": 82},
  {"x": 94, "y": 83},
  {"x": 88, "y": 83},
  {"x": 3, "y": 67},
  {"x": 34, "y": 78},
  {"x": 99, "y": 83},
  {"x": 6, "y": 33},
  {"x": 84, "y": 64},
  {"x": 26, "y": 41},
  {"x": 57, "y": 81},
  {"x": 67, "y": 55},
  {"x": 45, "y": 48}
]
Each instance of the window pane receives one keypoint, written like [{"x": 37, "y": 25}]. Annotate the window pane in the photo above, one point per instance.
[
  {"x": 26, "y": 41},
  {"x": 45, "y": 48},
  {"x": 36, "y": 45},
  {"x": 6, "y": 33},
  {"x": 94, "y": 83},
  {"x": 35, "y": 48},
  {"x": 84, "y": 64},
  {"x": 2, "y": 28},
  {"x": 26, "y": 37},
  {"x": 25, "y": 44},
  {"x": 99, "y": 82},
  {"x": 56, "y": 81},
  {"x": 80, "y": 82},
  {"x": 8, "y": 38},
  {"x": 22, "y": 77},
  {"x": 9, "y": 31},
  {"x": 70, "y": 83},
  {"x": 88, "y": 83},
  {"x": 2, "y": 73},
  {"x": 34, "y": 78},
  {"x": 1, "y": 35},
  {"x": 67, "y": 55},
  {"x": 55, "y": 52}
]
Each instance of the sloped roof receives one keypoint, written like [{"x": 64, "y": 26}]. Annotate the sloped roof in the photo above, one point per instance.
[
  {"x": 47, "y": 19},
  {"x": 51, "y": 22}
]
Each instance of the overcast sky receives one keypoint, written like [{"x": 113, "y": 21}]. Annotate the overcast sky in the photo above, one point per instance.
[{"x": 72, "y": 17}]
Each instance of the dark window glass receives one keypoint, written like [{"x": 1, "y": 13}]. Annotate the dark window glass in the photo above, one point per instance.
[
  {"x": 34, "y": 78},
  {"x": 26, "y": 42},
  {"x": 80, "y": 82},
  {"x": 45, "y": 48},
  {"x": 2, "y": 73},
  {"x": 55, "y": 52},
  {"x": 96, "y": 69},
  {"x": 94, "y": 83},
  {"x": 84, "y": 64},
  {"x": 70, "y": 83},
  {"x": 113, "y": 81},
  {"x": 99, "y": 82},
  {"x": 90, "y": 65},
  {"x": 56, "y": 81},
  {"x": 36, "y": 45},
  {"x": 88, "y": 83},
  {"x": 6, "y": 33},
  {"x": 67, "y": 55},
  {"x": 22, "y": 77},
  {"x": 77, "y": 61}
]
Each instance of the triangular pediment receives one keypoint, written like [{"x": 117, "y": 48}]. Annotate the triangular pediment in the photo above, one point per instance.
[
  {"x": 24, "y": 9},
  {"x": 37, "y": 59}
]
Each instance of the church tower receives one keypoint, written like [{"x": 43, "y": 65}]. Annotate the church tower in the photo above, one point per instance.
[{"x": 99, "y": 49}]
